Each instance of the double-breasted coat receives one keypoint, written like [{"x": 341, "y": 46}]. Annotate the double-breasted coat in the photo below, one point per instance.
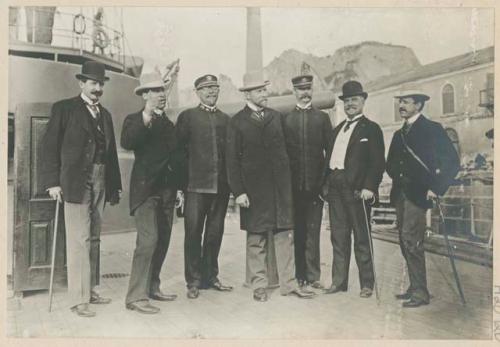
[
  {"x": 258, "y": 165},
  {"x": 68, "y": 149}
]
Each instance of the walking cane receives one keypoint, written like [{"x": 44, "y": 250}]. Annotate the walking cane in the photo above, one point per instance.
[
  {"x": 52, "y": 266},
  {"x": 451, "y": 254},
  {"x": 371, "y": 252}
]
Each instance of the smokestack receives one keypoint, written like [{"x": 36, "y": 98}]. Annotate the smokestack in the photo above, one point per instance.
[{"x": 254, "y": 40}]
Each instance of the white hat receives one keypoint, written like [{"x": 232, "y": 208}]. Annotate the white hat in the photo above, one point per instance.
[
  {"x": 253, "y": 80},
  {"x": 411, "y": 91},
  {"x": 149, "y": 81}
]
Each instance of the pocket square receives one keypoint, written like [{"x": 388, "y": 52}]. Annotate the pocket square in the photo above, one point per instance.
[{"x": 363, "y": 140}]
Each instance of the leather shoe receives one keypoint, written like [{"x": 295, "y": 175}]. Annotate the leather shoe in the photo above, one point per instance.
[
  {"x": 260, "y": 294},
  {"x": 83, "y": 310},
  {"x": 220, "y": 287},
  {"x": 334, "y": 289},
  {"x": 98, "y": 300},
  {"x": 142, "y": 306},
  {"x": 193, "y": 292},
  {"x": 366, "y": 292},
  {"x": 158, "y": 295},
  {"x": 404, "y": 296},
  {"x": 302, "y": 293},
  {"x": 316, "y": 285},
  {"x": 414, "y": 303}
]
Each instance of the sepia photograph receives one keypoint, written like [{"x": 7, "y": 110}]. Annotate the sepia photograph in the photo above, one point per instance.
[{"x": 250, "y": 172}]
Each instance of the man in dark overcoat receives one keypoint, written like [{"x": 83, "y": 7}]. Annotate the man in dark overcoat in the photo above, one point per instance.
[
  {"x": 307, "y": 132},
  {"x": 201, "y": 133},
  {"x": 422, "y": 163},
  {"x": 80, "y": 166},
  {"x": 355, "y": 166},
  {"x": 259, "y": 175},
  {"x": 150, "y": 134}
]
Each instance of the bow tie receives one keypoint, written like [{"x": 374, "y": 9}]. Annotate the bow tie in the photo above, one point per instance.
[
  {"x": 208, "y": 109},
  {"x": 348, "y": 123}
]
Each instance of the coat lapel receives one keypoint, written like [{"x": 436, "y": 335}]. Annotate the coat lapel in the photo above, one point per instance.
[
  {"x": 106, "y": 124},
  {"x": 83, "y": 114}
]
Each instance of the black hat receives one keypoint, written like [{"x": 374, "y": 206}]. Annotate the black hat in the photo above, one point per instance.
[
  {"x": 93, "y": 70},
  {"x": 352, "y": 88},
  {"x": 206, "y": 81},
  {"x": 302, "y": 81}
]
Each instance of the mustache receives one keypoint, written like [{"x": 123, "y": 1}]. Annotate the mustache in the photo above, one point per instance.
[
  {"x": 98, "y": 93},
  {"x": 401, "y": 109}
]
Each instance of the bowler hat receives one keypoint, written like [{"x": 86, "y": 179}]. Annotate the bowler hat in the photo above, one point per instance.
[
  {"x": 253, "y": 80},
  {"x": 408, "y": 91},
  {"x": 302, "y": 81},
  {"x": 206, "y": 81},
  {"x": 92, "y": 70},
  {"x": 149, "y": 81},
  {"x": 352, "y": 88}
]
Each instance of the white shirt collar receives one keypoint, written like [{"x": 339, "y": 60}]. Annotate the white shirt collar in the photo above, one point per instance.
[
  {"x": 211, "y": 108},
  {"x": 306, "y": 106},
  {"x": 254, "y": 107},
  {"x": 87, "y": 100},
  {"x": 355, "y": 118},
  {"x": 413, "y": 118}
]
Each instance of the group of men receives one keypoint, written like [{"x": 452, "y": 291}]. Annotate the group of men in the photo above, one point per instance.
[{"x": 281, "y": 168}]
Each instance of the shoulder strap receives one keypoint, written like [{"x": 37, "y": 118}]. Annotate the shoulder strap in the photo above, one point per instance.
[{"x": 414, "y": 155}]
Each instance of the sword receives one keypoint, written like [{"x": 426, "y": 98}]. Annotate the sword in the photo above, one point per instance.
[
  {"x": 52, "y": 266},
  {"x": 371, "y": 252},
  {"x": 451, "y": 253}
]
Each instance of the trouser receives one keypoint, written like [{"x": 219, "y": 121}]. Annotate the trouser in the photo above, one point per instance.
[
  {"x": 203, "y": 212},
  {"x": 153, "y": 219},
  {"x": 83, "y": 229},
  {"x": 411, "y": 227},
  {"x": 308, "y": 211},
  {"x": 257, "y": 260},
  {"x": 346, "y": 215}
]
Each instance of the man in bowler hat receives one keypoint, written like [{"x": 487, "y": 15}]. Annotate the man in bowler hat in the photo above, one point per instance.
[
  {"x": 259, "y": 175},
  {"x": 355, "y": 165},
  {"x": 422, "y": 163},
  {"x": 307, "y": 132},
  {"x": 201, "y": 133},
  {"x": 150, "y": 134},
  {"x": 80, "y": 166}
]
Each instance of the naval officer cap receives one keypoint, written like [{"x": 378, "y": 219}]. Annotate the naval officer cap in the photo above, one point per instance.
[
  {"x": 205, "y": 81},
  {"x": 302, "y": 81}
]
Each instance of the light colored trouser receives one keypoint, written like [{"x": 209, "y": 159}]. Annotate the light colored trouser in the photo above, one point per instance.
[
  {"x": 83, "y": 230},
  {"x": 285, "y": 260}
]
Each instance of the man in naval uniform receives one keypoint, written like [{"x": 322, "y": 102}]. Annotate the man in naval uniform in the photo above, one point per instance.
[
  {"x": 422, "y": 163},
  {"x": 80, "y": 166},
  {"x": 307, "y": 131},
  {"x": 201, "y": 133}
]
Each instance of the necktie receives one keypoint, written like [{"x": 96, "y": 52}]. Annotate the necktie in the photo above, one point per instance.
[
  {"x": 95, "y": 110},
  {"x": 259, "y": 114},
  {"x": 349, "y": 123},
  {"x": 406, "y": 127}
]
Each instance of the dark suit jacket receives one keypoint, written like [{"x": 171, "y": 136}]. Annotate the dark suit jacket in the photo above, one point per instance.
[
  {"x": 258, "y": 165},
  {"x": 307, "y": 133},
  {"x": 365, "y": 157},
  {"x": 68, "y": 148},
  {"x": 430, "y": 142},
  {"x": 201, "y": 137},
  {"x": 153, "y": 168}
]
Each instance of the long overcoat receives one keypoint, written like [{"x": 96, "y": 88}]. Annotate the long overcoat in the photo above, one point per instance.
[
  {"x": 68, "y": 148},
  {"x": 258, "y": 165}
]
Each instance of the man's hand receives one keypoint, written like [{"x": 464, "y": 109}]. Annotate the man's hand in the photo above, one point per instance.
[
  {"x": 114, "y": 199},
  {"x": 179, "y": 200},
  {"x": 55, "y": 193},
  {"x": 243, "y": 201},
  {"x": 366, "y": 194},
  {"x": 431, "y": 195},
  {"x": 147, "y": 115}
]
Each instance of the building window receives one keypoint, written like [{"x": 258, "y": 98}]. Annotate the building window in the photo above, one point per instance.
[
  {"x": 448, "y": 98},
  {"x": 453, "y": 135}
]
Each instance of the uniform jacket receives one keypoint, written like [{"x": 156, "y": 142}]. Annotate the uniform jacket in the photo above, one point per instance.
[
  {"x": 68, "y": 148},
  {"x": 258, "y": 165},
  {"x": 365, "y": 156},
  {"x": 153, "y": 150},
  {"x": 201, "y": 137},
  {"x": 430, "y": 142},
  {"x": 307, "y": 133}
]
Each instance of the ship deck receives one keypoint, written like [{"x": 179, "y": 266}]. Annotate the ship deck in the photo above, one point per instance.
[{"x": 236, "y": 315}]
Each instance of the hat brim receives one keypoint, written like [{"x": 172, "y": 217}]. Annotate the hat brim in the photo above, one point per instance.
[
  {"x": 363, "y": 94},
  {"x": 254, "y": 86},
  {"x": 415, "y": 95},
  {"x": 92, "y": 77},
  {"x": 151, "y": 85}
]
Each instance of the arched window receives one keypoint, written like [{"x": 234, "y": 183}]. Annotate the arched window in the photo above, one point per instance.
[
  {"x": 453, "y": 135},
  {"x": 448, "y": 98}
]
